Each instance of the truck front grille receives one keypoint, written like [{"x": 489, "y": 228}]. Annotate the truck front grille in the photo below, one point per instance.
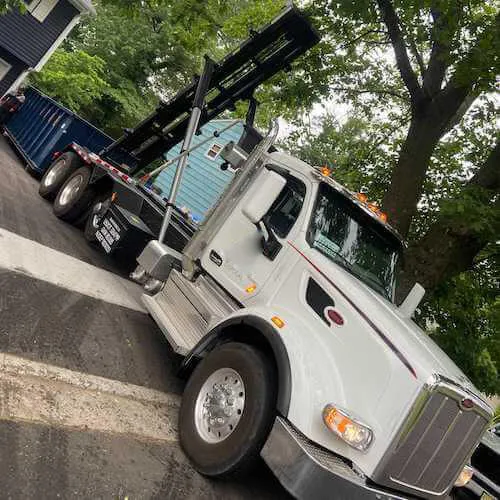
[{"x": 436, "y": 441}]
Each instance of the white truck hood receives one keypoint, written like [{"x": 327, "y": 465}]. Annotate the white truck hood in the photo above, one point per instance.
[{"x": 416, "y": 346}]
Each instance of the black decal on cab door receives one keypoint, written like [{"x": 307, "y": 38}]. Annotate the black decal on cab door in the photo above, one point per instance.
[{"x": 318, "y": 299}]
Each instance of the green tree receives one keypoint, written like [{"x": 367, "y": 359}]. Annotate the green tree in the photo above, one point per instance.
[
  {"x": 151, "y": 49},
  {"x": 6, "y": 5},
  {"x": 424, "y": 63},
  {"x": 463, "y": 317},
  {"x": 415, "y": 68},
  {"x": 76, "y": 79}
]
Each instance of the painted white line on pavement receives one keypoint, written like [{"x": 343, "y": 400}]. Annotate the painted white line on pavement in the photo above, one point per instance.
[
  {"x": 33, "y": 259},
  {"x": 35, "y": 392}
]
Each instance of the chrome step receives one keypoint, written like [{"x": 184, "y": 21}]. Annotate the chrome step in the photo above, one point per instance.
[
  {"x": 207, "y": 297},
  {"x": 179, "y": 320}
]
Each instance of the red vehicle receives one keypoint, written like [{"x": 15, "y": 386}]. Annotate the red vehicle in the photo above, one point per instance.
[{"x": 9, "y": 104}]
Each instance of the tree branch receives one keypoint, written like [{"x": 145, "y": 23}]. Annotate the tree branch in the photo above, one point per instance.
[
  {"x": 468, "y": 71},
  {"x": 441, "y": 46},
  {"x": 371, "y": 91},
  {"x": 457, "y": 117},
  {"x": 488, "y": 176},
  {"x": 360, "y": 37},
  {"x": 451, "y": 244},
  {"x": 418, "y": 57},
  {"x": 383, "y": 139},
  {"x": 402, "y": 60}
]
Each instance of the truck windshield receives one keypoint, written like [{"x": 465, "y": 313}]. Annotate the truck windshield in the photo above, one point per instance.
[{"x": 341, "y": 231}]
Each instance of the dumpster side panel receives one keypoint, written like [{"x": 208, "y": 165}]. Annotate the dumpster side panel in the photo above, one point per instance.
[{"x": 42, "y": 126}]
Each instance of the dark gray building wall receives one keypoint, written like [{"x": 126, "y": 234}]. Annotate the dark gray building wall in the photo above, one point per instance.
[
  {"x": 27, "y": 38},
  {"x": 17, "y": 68}
]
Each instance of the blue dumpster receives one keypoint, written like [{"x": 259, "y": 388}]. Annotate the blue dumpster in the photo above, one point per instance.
[{"x": 42, "y": 126}]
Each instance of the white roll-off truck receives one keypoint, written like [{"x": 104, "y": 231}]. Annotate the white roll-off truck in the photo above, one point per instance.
[{"x": 283, "y": 306}]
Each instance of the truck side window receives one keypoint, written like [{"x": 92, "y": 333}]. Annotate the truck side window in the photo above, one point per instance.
[{"x": 286, "y": 209}]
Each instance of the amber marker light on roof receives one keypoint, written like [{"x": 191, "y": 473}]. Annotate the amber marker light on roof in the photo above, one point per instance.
[
  {"x": 362, "y": 197},
  {"x": 383, "y": 216},
  {"x": 278, "y": 321},
  {"x": 251, "y": 288},
  {"x": 326, "y": 171}
]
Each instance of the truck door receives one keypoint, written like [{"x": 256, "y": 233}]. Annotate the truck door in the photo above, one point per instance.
[{"x": 235, "y": 256}]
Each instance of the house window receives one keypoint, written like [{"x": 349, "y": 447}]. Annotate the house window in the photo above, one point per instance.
[
  {"x": 40, "y": 9},
  {"x": 4, "y": 68},
  {"x": 214, "y": 151}
]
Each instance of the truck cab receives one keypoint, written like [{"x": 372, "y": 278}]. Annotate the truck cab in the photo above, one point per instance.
[{"x": 283, "y": 305}]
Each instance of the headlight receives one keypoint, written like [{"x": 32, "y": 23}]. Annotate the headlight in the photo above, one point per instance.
[
  {"x": 465, "y": 476},
  {"x": 348, "y": 428}
]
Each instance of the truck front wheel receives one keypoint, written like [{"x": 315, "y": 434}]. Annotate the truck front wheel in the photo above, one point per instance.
[
  {"x": 227, "y": 409},
  {"x": 55, "y": 176},
  {"x": 75, "y": 196}
]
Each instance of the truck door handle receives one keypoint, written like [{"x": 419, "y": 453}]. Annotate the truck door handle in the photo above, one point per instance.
[{"x": 216, "y": 258}]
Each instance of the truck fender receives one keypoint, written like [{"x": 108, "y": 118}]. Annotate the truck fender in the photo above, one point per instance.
[
  {"x": 78, "y": 150},
  {"x": 237, "y": 328}
]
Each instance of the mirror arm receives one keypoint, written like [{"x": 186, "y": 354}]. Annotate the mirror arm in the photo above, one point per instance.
[{"x": 270, "y": 244}]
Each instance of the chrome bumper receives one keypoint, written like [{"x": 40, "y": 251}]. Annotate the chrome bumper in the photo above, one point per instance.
[{"x": 307, "y": 471}]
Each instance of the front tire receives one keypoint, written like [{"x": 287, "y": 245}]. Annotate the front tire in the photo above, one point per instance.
[
  {"x": 75, "y": 196},
  {"x": 227, "y": 409},
  {"x": 57, "y": 174}
]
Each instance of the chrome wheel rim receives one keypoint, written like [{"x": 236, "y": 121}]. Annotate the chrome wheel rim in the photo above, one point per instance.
[
  {"x": 54, "y": 172},
  {"x": 70, "y": 190},
  {"x": 219, "y": 405}
]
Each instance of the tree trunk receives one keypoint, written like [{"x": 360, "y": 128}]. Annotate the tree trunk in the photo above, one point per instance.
[
  {"x": 430, "y": 121},
  {"x": 439, "y": 255},
  {"x": 408, "y": 176},
  {"x": 451, "y": 244}
]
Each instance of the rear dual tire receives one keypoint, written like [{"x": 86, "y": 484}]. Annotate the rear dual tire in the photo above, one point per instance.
[
  {"x": 75, "y": 197},
  {"x": 218, "y": 440},
  {"x": 57, "y": 174}
]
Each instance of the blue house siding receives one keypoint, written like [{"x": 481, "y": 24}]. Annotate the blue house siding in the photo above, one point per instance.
[
  {"x": 203, "y": 181},
  {"x": 17, "y": 68},
  {"x": 27, "y": 38}
]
